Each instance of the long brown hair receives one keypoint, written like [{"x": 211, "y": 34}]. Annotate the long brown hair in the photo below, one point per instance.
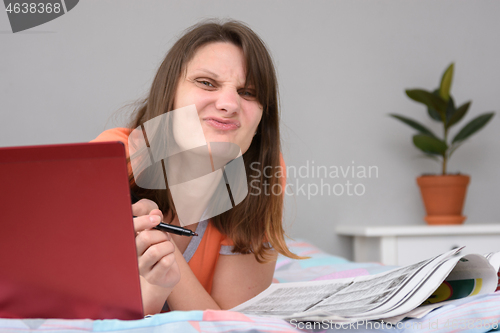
[{"x": 257, "y": 221}]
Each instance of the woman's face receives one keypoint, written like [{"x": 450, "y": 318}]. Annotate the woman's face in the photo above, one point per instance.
[{"x": 214, "y": 81}]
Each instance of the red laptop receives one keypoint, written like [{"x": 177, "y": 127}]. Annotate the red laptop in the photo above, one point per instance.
[{"x": 67, "y": 247}]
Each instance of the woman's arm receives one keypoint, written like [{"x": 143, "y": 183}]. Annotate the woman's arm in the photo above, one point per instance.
[
  {"x": 189, "y": 294},
  {"x": 237, "y": 278}
]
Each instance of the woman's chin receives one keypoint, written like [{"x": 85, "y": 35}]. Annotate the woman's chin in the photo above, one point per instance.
[
  {"x": 226, "y": 137},
  {"x": 219, "y": 137}
]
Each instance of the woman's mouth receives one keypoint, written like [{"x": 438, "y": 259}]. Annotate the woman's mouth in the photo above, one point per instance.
[{"x": 222, "y": 124}]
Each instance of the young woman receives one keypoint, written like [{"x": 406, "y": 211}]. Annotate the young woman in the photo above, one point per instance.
[{"x": 225, "y": 70}]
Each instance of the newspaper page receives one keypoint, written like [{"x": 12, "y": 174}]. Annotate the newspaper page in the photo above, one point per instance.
[
  {"x": 463, "y": 276},
  {"x": 494, "y": 260},
  {"x": 408, "y": 293},
  {"x": 345, "y": 299},
  {"x": 471, "y": 276}
]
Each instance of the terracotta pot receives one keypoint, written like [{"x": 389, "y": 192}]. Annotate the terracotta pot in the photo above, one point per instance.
[{"x": 444, "y": 197}]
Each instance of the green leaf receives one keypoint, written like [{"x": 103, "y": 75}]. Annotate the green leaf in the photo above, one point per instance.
[
  {"x": 459, "y": 114},
  {"x": 450, "y": 110},
  {"x": 473, "y": 126},
  {"x": 412, "y": 123},
  {"x": 429, "y": 144},
  {"x": 429, "y": 99},
  {"x": 433, "y": 113},
  {"x": 445, "y": 86}
]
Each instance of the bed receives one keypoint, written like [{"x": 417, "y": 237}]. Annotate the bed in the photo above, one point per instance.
[{"x": 474, "y": 314}]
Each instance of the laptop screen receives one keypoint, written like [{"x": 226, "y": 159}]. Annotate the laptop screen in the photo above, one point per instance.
[{"x": 67, "y": 247}]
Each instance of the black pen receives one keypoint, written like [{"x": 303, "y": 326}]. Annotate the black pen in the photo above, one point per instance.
[{"x": 172, "y": 229}]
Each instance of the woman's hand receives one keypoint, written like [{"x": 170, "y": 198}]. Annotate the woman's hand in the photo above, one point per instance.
[{"x": 155, "y": 251}]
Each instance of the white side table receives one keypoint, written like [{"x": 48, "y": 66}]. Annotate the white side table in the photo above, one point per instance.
[{"x": 405, "y": 245}]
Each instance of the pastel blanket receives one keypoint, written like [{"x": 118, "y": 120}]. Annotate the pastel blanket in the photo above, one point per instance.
[{"x": 474, "y": 314}]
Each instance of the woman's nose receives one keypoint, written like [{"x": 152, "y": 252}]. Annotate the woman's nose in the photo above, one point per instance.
[{"x": 228, "y": 100}]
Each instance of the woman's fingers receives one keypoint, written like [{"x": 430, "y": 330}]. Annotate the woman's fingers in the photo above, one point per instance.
[
  {"x": 157, "y": 263},
  {"x": 148, "y": 215},
  {"x": 154, "y": 254},
  {"x": 143, "y": 207},
  {"x": 146, "y": 222},
  {"x": 155, "y": 251},
  {"x": 165, "y": 273},
  {"x": 148, "y": 238}
]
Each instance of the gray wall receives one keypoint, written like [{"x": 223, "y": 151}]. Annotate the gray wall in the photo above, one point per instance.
[{"x": 342, "y": 66}]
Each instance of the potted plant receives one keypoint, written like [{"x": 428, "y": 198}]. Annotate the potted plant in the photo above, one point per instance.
[{"x": 443, "y": 194}]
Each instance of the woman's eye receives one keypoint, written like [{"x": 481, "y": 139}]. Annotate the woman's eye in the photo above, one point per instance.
[
  {"x": 249, "y": 94},
  {"x": 206, "y": 83}
]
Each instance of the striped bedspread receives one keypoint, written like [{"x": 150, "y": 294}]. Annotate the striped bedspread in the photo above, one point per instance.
[{"x": 474, "y": 314}]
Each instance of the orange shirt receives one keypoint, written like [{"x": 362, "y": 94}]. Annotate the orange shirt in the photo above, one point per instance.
[{"x": 205, "y": 257}]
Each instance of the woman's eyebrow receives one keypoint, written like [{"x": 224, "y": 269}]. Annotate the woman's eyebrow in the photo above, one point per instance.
[
  {"x": 208, "y": 72},
  {"x": 215, "y": 76}
]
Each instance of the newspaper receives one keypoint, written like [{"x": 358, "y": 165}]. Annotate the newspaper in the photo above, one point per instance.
[
  {"x": 389, "y": 294},
  {"x": 494, "y": 260}
]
